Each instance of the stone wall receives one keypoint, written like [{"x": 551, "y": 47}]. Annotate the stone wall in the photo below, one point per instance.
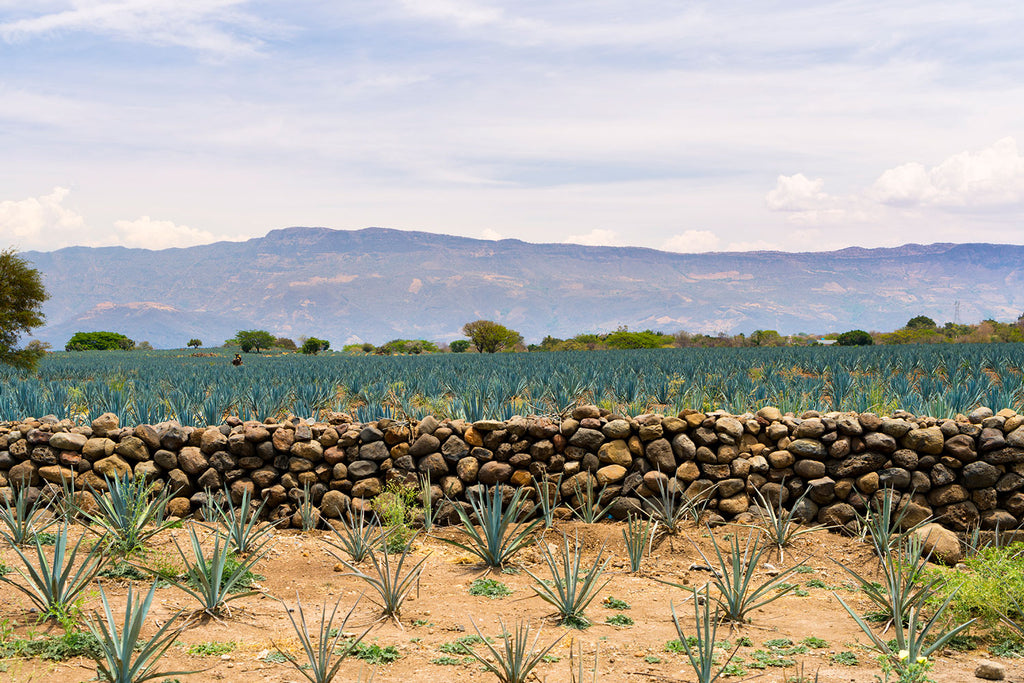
[{"x": 966, "y": 472}]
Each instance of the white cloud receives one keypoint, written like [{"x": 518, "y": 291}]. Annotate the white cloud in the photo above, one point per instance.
[
  {"x": 796, "y": 193},
  {"x": 692, "y": 242},
  {"x": 146, "y": 233},
  {"x": 993, "y": 176},
  {"x": 596, "y": 238},
  {"x": 40, "y": 222},
  {"x": 209, "y": 26}
]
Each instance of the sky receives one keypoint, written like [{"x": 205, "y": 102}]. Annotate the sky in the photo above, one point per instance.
[{"x": 684, "y": 126}]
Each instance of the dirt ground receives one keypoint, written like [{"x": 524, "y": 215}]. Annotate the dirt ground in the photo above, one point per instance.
[{"x": 442, "y": 610}]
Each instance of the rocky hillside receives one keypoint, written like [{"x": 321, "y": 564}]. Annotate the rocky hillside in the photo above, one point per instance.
[{"x": 378, "y": 284}]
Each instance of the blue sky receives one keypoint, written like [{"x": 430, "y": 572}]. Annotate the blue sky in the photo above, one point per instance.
[{"x": 686, "y": 126}]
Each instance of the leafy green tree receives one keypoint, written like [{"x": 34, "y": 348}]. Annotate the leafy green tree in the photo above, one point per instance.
[
  {"x": 488, "y": 336},
  {"x": 412, "y": 346},
  {"x": 21, "y": 308},
  {"x": 253, "y": 340},
  {"x": 99, "y": 341},
  {"x": 766, "y": 338},
  {"x": 921, "y": 322},
  {"x": 855, "y": 338},
  {"x": 624, "y": 339},
  {"x": 195, "y": 343},
  {"x": 313, "y": 346},
  {"x": 459, "y": 346},
  {"x": 285, "y": 343}
]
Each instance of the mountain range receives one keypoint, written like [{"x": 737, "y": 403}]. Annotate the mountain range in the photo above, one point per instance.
[{"x": 378, "y": 284}]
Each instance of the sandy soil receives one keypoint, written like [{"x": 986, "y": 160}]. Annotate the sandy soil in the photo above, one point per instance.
[{"x": 442, "y": 610}]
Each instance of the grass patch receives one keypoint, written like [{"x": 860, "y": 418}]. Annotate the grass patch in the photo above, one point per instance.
[
  {"x": 805, "y": 569},
  {"x": 448, "y": 660},
  {"x": 1008, "y": 647},
  {"x": 994, "y": 576},
  {"x": 814, "y": 642},
  {"x": 51, "y": 648},
  {"x": 210, "y": 648},
  {"x": 489, "y": 588},
  {"x": 124, "y": 571},
  {"x": 652, "y": 659}
]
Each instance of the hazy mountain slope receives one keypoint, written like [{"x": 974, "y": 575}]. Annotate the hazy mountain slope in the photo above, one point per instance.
[{"x": 378, "y": 284}]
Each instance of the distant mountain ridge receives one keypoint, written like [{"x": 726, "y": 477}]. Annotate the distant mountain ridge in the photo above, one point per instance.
[{"x": 377, "y": 284}]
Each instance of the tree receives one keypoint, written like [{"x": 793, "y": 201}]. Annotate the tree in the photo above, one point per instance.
[
  {"x": 21, "y": 308},
  {"x": 313, "y": 346},
  {"x": 99, "y": 341},
  {"x": 488, "y": 336},
  {"x": 459, "y": 346},
  {"x": 253, "y": 340},
  {"x": 921, "y": 322},
  {"x": 285, "y": 343},
  {"x": 855, "y": 338},
  {"x": 767, "y": 338},
  {"x": 195, "y": 343}
]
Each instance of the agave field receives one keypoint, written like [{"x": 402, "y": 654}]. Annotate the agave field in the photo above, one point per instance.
[{"x": 149, "y": 387}]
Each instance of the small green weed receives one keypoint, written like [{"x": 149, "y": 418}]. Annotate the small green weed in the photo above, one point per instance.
[
  {"x": 619, "y": 620},
  {"x": 550, "y": 659},
  {"x": 735, "y": 668},
  {"x": 124, "y": 571},
  {"x": 460, "y": 646},
  {"x": 744, "y": 641},
  {"x": 845, "y": 658},
  {"x": 814, "y": 642},
  {"x": 51, "y": 648},
  {"x": 490, "y": 588},
  {"x": 421, "y": 622},
  {"x": 210, "y": 648},
  {"x": 275, "y": 657},
  {"x": 1008, "y": 647},
  {"x": 816, "y": 583},
  {"x": 373, "y": 653},
  {"x": 615, "y": 603},
  {"x": 652, "y": 659},
  {"x": 448, "y": 660},
  {"x": 805, "y": 569}
]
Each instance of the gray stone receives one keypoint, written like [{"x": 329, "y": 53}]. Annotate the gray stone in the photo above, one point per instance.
[
  {"x": 660, "y": 455},
  {"x": 807, "y": 448},
  {"x": 980, "y": 474},
  {"x": 989, "y": 670},
  {"x": 424, "y": 445},
  {"x": 588, "y": 439},
  {"x": 375, "y": 450}
]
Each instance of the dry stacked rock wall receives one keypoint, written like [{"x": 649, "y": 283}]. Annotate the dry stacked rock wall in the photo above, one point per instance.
[{"x": 965, "y": 472}]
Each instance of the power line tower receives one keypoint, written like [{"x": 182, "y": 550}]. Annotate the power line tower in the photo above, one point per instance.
[{"x": 956, "y": 312}]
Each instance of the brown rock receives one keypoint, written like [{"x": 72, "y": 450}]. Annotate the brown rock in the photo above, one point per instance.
[
  {"x": 113, "y": 466},
  {"x": 941, "y": 543},
  {"x": 611, "y": 474},
  {"x": 192, "y": 461},
  {"x": 104, "y": 424},
  {"x": 616, "y": 453}
]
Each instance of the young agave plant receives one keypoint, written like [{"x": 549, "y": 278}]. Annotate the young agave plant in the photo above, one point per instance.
[
  {"x": 213, "y": 581},
  {"x": 701, "y": 649},
  {"x": 130, "y": 513},
  {"x": 572, "y": 588},
  {"x": 20, "y": 520},
  {"x": 391, "y": 586},
  {"x": 124, "y": 656},
  {"x": 242, "y": 526},
  {"x": 778, "y": 524},
  {"x": 734, "y": 579},
  {"x": 501, "y": 536},
  {"x": 323, "y": 656},
  {"x": 54, "y": 586},
  {"x": 518, "y": 657},
  {"x": 358, "y": 537}
]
